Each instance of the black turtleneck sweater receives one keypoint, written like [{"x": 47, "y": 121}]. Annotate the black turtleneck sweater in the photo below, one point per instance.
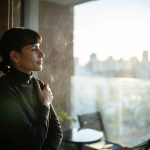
[{"x": 25, "y": 124}]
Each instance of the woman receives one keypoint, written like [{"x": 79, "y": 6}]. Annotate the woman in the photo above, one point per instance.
[{"x": 27, "y": 118}]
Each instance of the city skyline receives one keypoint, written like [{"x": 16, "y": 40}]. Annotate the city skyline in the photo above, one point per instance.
[
  {"x": 115, "y": 28},
  {"x": 132, "y": 68},
  {"x": 119, "y": 59}
]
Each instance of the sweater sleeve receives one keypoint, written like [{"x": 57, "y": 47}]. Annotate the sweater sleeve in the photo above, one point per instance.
[
  {"x": 55, "y": 135},
  {"x": 16, "y": 131}
]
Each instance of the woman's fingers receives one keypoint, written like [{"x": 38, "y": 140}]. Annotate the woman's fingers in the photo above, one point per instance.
[
  {"x": 47, "y": 89},
  {"x": 38, "y": 86},
  {"x": 45, "y": 95}
]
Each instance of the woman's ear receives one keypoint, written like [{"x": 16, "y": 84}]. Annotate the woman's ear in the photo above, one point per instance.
[{"x": 14, "y": 56}]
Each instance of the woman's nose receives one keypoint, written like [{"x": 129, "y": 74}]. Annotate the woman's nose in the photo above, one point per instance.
[{"x": 42, "y": 55}]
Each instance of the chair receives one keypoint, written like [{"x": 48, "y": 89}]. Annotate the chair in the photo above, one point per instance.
[
  {"x": 142, "y": 146},
  {"x": 94, "y": 121}
]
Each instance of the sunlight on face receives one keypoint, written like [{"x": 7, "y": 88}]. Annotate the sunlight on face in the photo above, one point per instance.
[{"x": 30, "y": 58}]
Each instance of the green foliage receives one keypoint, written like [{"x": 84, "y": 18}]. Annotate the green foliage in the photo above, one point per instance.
[{"x": 63, "y": 116}]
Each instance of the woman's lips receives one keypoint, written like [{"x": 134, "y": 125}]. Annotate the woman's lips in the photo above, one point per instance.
[{"x": 40, "y": 62}]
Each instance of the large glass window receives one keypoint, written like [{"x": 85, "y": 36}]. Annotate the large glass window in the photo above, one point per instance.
[{"x": 112, "y": 67}]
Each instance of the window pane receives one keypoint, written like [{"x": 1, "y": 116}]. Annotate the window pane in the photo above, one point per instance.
[{"x": 112, "y": 68}]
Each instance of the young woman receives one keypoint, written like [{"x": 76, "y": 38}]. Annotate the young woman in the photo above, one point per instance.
[{"x": 27, "y": 118}]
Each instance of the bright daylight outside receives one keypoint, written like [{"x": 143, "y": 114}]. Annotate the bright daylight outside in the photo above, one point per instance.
[{"x": 112, "y": 66}]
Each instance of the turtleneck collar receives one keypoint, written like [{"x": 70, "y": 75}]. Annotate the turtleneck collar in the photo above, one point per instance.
[{"x": 19, "y": 76}]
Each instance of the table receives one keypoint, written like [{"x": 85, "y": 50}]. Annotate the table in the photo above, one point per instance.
[{"x": 82, "y": 136}]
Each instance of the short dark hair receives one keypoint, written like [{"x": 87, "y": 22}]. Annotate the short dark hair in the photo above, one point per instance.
[{"x": 15, "y": 39}]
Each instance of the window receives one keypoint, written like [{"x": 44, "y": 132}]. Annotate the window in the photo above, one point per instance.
[{"x": 112, "y": 67}]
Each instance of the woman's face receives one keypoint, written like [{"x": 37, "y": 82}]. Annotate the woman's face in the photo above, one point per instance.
[{"x": 30, "y": 58}]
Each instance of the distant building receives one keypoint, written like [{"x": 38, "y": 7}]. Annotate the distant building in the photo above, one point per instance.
[
  {"x": 143, "y": 71},
  {"x": 145, "y": 56},
  {"x": 116, "y": 68}
]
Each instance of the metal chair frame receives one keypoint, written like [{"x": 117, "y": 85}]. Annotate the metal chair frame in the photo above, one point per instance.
[{"x": 95, "y": 121}]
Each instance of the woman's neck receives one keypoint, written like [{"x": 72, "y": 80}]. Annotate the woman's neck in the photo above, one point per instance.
[{"x": 24, "y": 71}]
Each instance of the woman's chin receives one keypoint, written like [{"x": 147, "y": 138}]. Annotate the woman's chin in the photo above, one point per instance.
[{"x": 38, "y": 68}]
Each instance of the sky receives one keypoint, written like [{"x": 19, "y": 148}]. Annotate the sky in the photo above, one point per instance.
[{"x": 118, "y": 28}]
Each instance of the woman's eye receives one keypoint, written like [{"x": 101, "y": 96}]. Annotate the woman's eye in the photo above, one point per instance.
[{"x": 34, "y": 49}]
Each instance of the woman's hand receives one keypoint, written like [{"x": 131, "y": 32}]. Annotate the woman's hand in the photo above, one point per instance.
[{"x": 45, "y": 96}]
